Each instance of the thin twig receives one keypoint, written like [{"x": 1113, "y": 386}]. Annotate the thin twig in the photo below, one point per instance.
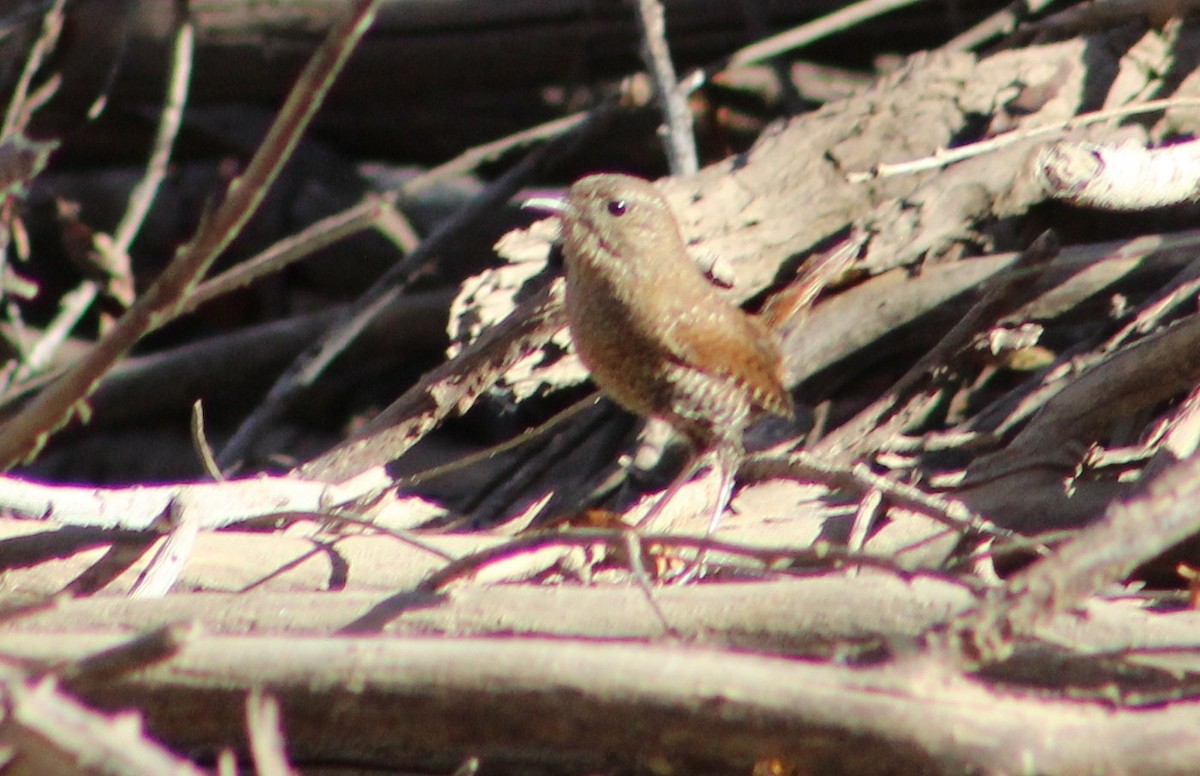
[
  {"x": 42, "y": 94},
  {"x": 343, "y": 514},
  {"x": 170, "y": 118},
  {"x": 633, "y": 547},
  {"x": 20, "y": 109},
  {"x": 17, "y": 114},
  {"x": 496, "y": 498},
  {"x": 73, "y": 305},
  {"x": 948, "y": 156},
  {"x": 200, "y": 443},
  {"x": 1002, "y": 22},
  {"x": 289, "y": 250},
  {"x": 468, "y": 767},
  {"x": 815, "y": 30},
  {"x": 473, "y": 157},
  {"x": 950, "y": 512},
  {"x": 677, "y": 133},
  {"x": 770, "y": 558}
]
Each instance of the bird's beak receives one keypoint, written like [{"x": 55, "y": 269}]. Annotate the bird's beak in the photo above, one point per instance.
[{"x": 559, "y": 207}]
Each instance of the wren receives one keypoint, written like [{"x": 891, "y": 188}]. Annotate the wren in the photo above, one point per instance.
[{"x": 656, "y": 334}]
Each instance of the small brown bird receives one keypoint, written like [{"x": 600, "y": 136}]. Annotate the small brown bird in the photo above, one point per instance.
[{"x": 658, "y": 337}]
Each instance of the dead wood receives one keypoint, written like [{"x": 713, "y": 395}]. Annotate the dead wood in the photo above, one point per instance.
[
  {"x": 940, "y": 567},
  {"x": 691, "y": 706}
]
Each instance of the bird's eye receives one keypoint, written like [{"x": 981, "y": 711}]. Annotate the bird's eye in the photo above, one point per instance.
[{"x": 617, "y": 207}]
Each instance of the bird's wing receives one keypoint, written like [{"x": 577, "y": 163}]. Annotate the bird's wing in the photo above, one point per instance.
[{"x": 728, "y": 342}]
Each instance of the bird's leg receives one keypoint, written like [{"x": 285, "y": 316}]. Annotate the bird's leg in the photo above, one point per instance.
[
  {"x": 685, "y": 474},
  {"x": 725, "y": 459},
  {"x": 726, "y": 462}
]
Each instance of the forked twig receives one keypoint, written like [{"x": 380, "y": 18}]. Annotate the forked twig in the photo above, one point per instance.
[
  {"x": 678, "y": 137},
  {"x": 18, "y": 111},
  {"x": 770, "y": 559},
  {"x": 74, "y": 304}
]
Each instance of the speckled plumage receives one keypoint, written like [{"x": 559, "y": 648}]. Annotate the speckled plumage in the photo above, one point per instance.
[{"x": 658, "y": 337}]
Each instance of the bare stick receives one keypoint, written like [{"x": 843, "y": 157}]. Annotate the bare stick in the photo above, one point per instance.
[
  {"x": 170, "y": 117},
  {"x": 435, "y": 700},
  {"x": 18, "y": 111},
  {"x": 820, "y": 552},
  {"x": 1000, "y": 23},
  {"x": 947, "y": 511},
  {"x": 289, "y": 250},
  {"x": 814, "y": 30},
  {"x": 678, "y": 136},
  {"x": 77, "y": 302},
  {"x": 71, "y": 307},
  {"x": 201, "y": 445},
  {"x": 143, "y": 507},
  {"x": 488, "y": 453},
  {"x": 473, "y": 157},
  {"x": 948, "y": 156}
]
